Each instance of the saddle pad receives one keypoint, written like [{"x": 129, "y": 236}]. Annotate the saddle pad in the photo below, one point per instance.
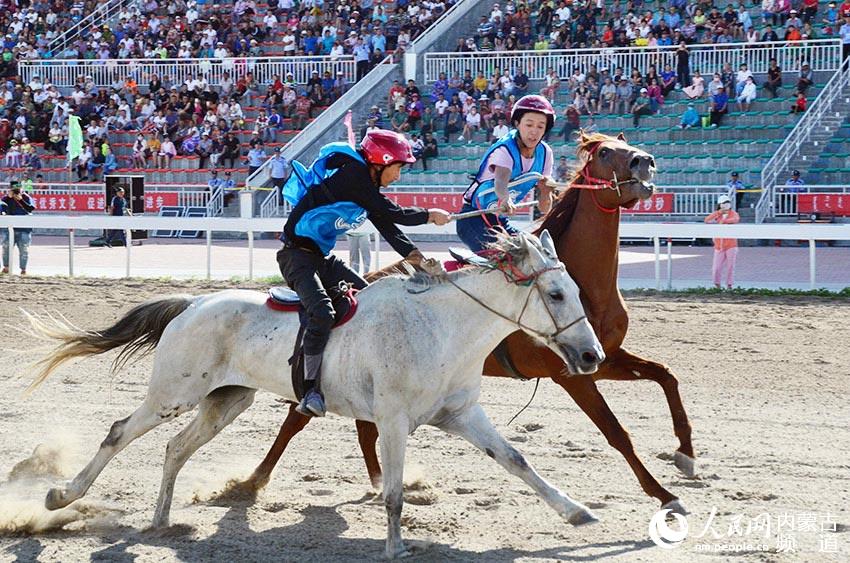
[{"x": 286, "y": 300}]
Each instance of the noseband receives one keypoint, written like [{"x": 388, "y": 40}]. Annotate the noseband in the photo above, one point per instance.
[
  {"x": 504, "y": 263},
  {"x": 594, "y": 183}
]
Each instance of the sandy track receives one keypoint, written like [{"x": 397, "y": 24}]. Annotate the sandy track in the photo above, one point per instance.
[{"x": 766, "y": 384}]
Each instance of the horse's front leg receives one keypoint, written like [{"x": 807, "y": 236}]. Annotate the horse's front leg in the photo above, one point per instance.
[
  {"x": 394, "y": 431},
  {"x": 473, "y": 425},
  {"x": 584, "y": 392},
  {"x": 625, "y": 366}
]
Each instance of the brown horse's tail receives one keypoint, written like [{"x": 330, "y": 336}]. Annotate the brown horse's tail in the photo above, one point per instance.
[{"x": 138, "y": 332}]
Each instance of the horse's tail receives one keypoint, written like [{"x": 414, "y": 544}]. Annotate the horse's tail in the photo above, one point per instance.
[{"x": 138, "y": 332}]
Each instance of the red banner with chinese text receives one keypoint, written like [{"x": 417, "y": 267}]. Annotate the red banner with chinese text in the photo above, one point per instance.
[
  {"x": 657, "y": 203},
  {"x": 94, "y": 202},
  {"x": 838, "y": 204}
]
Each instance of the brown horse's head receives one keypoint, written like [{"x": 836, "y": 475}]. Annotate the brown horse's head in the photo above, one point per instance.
[{"x": 612, "y": 159}]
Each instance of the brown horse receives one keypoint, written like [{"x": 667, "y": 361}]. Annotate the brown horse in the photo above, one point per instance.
[{"x": 584, "y": 223}]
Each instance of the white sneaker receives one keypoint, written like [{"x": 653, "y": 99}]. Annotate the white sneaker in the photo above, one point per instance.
[{"x": 460, "y": 138}]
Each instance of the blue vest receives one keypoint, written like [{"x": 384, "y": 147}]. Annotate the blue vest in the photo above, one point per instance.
[
  {"x": 482, "y": 195},
  {"x": 325, "y": 223}
]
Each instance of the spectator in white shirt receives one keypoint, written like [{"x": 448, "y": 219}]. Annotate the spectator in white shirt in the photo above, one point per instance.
[
  {"x": 747, "y": 95},
  {"x": 472, "y": 123}
]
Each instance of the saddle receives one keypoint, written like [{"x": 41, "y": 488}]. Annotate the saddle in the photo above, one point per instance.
[{"x": 283, "y": 299}]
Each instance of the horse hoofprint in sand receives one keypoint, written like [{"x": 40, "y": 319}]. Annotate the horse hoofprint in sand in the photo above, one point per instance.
[{"x": 419, "y": 363}]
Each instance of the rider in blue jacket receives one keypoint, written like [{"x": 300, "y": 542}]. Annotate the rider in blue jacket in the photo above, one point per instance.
[
  {"x": 339, "y": 191},
  {"x": 521, "y": 151}
]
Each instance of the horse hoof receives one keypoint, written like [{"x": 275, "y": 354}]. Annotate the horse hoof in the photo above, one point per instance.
[
  {"x": 400, "y": 553},
  {"x": 685, "y": 463},
  {"x": 582, "y": 517},
  {"x": 675, "y": 506},
  {"x": 55, "y": 500}
]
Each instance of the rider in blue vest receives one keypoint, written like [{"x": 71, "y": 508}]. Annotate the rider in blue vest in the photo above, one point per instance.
[
  {"x": 522, "y": 150},
  {"x": 339, "y": 191}
]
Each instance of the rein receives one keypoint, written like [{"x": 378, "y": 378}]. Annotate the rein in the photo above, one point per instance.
[{"x": 515, "y": 276}]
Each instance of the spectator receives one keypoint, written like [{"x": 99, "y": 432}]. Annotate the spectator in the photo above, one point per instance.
[
  {"x": 230, "y": 150},
  {"x": 668, "y": 80},
  {"x": 118, "y": 208},
  {"x": 167, "y": 151},
  {"x": 141, "y": 152},
  {"x": 697, "y": 87},
  {"x": 454, "y": 122},
  {"x": 501, "y": 129},
  {"x": 725, "y": 249},
  {"x": 278, "y": 166},
  {"x": 747, "y": 95},
  {"x": 431, "y": 149},
  {"x": 718, "y": 107},
  {"x": 16, "y": 203},
  {"x": 683, "y": 68},
  {"x": 624, "y": 96},
  {"x": 741, "y": 79},
  {"x": 656, "y": 98},
  {"x": 256, "y": 157},
  {"x": 799, "y": 105},
  {"x": 563, "y": 171},
  {"x": 303, "y": 108},
  {"x": 640, "y": 107},
  {"x": 844, "y": 32},
  {"x": 417, "y": 145},
  {"x": 572, "y": 122},
  {"x": 806, "y": 78},
  {"x": 553, "y": 83},
  {"x": 204, "y": 149},
  {"x": 733, "y": 190},
  {"x": 472, "y": 123},
  {"x": 110, "y": 162},
  {"x": 262, "y": 128},
  {"x": 690, "y": 118},
  {"x": 774, "y": 79}
]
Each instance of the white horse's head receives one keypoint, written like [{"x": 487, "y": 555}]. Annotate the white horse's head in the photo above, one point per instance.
[{"x": 552, "y": 312}]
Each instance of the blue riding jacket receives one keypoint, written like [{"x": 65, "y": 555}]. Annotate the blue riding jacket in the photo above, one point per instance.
[{"x": 482, "y": 195}]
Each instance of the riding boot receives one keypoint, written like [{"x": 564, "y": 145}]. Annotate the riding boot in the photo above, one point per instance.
[{"x": 313, "y": 404}]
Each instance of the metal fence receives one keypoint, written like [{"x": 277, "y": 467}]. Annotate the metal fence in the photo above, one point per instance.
[
  {"x": 104, "y": 73},
  {"x": 785, "y": 202},
  {"x": 821, "y": 54}
]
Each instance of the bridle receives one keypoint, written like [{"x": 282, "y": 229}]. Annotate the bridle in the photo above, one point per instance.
[
  {"x": 594, "y": 184},
  {"x": 503, "y": 262}
]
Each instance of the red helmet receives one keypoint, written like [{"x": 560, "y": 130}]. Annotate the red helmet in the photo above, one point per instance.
[
  {"x": 386, "y": 147},
  {"x": 534, "y": 103}
]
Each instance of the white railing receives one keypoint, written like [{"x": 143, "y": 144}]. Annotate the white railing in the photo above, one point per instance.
[
  {"x": 104, "y": 12},
  {"x": 215, "y": 204},
  {"x": 785, "y": 202},
  {"x": 796, "y": 139},
  {"x": 821, "y": 54},
  {"x": 64, "y": 73},
  {"x": 651, "y": 231},
  {"x": 270, "y": 207}
]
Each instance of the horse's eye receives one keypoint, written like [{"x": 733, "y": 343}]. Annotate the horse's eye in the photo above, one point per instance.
[
  {"x": 604, "y": 152},
  {"x": 556, "y": 295}
]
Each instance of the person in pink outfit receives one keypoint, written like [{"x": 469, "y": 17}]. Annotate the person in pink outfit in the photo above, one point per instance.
[{"x": 725, "y": 249}]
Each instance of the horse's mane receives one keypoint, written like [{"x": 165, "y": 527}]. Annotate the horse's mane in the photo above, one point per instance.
[
  {"x": 512, "y": 246},
  {"x": 558, "y": 220}
]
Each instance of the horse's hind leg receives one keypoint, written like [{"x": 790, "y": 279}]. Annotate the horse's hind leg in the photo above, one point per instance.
[
  {"x": 120, "y": 435},
  {"x": 367, "y": 435},
  {"x": 294, "y": 423},
  {"x": 215, "y": 411},
  {"x": 473, "y": 425},
  {"x": 625, "y": 366}
]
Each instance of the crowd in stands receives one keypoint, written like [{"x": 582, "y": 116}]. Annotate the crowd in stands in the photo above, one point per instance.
[
  {"x": 190, "y": 118},
  {"x": 203, "y": 29},
  {"x": 567, "y": 24}
]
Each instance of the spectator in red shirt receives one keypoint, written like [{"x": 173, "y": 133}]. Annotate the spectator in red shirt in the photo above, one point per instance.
[{"x": 800, "y": 103}]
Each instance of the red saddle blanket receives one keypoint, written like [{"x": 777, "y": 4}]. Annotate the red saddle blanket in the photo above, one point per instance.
[{"x": 285, "y": 300}]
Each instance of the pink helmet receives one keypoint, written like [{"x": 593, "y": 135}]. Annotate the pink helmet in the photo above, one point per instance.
[
  {"x": 386, "y": 147},
  {"x": 534, "y": 103}
]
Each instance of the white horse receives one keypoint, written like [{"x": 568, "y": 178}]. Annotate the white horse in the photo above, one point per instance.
[{"x": 412, "y": 355}]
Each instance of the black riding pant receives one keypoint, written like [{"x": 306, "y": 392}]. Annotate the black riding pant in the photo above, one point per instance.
[{"x": 310, "y": 274}]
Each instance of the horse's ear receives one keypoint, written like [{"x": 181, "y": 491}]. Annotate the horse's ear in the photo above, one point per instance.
[
  {"x": 583, "y": 137},
  {"x": 548, "y": 244},
  {"x": 622, "y": 136}
]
